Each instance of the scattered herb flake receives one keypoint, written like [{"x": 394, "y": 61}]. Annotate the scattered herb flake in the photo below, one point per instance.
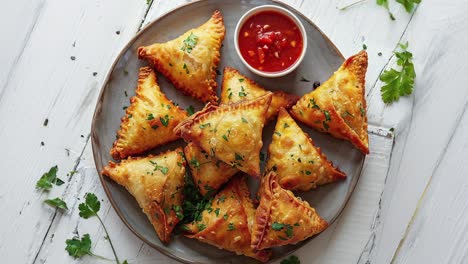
[
  {"x": 48, "y": 179},
  {"x": 291, "y": 260},
  {"x": 57, "y": 202},
  {"x": 231, "y": 227},
  {"x": 77, "y": 247},
  {"x": 189, "y": 43},
  {"x": 190, "y": 110}
]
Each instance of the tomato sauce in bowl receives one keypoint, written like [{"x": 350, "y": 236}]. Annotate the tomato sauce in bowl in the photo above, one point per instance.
[{"x": 269, "y": 41}]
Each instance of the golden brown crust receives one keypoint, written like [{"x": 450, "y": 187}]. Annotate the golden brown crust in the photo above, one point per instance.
[
  {"x": 231, "y": 133},
  {"x": 192, "y": 70},
  {"x": 156, "y": 183},
  {"x": 227, "y": 222},
  {"x": 295, "y": 159},
  {"x": 237, "y": 87},
  {"x": 149, "y": 120},
  {"x": 208, "y": 173},
  {"x": 338, "y": 106},
  {"x": 281, "y": 218}
]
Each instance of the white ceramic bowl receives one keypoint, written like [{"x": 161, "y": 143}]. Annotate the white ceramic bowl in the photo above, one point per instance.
[{"x": 285, "y": 12}]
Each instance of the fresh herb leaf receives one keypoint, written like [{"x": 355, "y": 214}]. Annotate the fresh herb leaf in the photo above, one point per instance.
[
  {"x": 313, "y": 104},
  {"x": 57, "y": 202},
  {"x": 244, "y": 120},
  {"x": 162, "y": 169},
  {"x": 285, "y": 125},
  {"x": 239, "y": 157},
  {"x": 291, "y": 260},
  {"x": 194, "y": 163},
  {"x": 217, "y": 211},
  {"x": 165, "y": 120},
  {"x": 190, "y": 110},
  {"x": 364, "y": 46},
  {"x": 277, "y": 133},
  {"x": 384, "y": 3},
  {"x": 399, "y": 83},
  {"x": 205, "y": 125},
  {"x": 241, "y": 79},
  {"x": 327, "y": 115},
  {"x": 150, "y": 116},
  {"x": 277, "y": 226},
  {"x": 231, "y": 227},
  {"x": 49, "y": 178},
  {"x": 409, "y": 4},
  {"x": 186, "y": 69},
  {"x": 242, "y": 92},
  {"x": 189, "y": 43},
  {"x": 225, "y": 138},
  {"x": 90, "y": 207},
  {"x": 225, "y": 216},
  {"x": 201, "y": 227},
  {"x": 77, "y": 247}
]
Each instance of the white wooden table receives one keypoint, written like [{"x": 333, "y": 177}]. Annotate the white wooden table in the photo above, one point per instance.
[{"x": 410, "y": 206}]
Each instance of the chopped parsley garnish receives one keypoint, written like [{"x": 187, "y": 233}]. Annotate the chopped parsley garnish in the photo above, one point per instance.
[
  {"x": 205, "y": 125},
  {"x": 277, "y": 226},
  {"x": 277, "y": 133},
  {"x": 225, "y": 216},
  {"x": 186, "y": 69},
  {"x": 239, "y": 157},
  {"x": 195, "y": 163},
  {"x": 244, "y": 120},
  {"x": 150, "y": 116},
  {"x": 190, "y": 110},
  {"x": 364, "y": 46},
  {"x": 77, "y": 247},
  {"x": 327, "y": 115},
  {"x": 189, "y": 43},
  {"x": 201, "y": 227},
  {"x": 217, "y": 211},
  {"x": 291, "y": 260},
  {"x": 242, "y": 92},
  {"x": 231, "y": 227},
  {"x": 285, "y": 125},
  {"x": 241, "y": 79},
  {"x": 165, "y": 120},
  {"x": 313, "y": 104},
  {"x": 162, "y": 169},
  {"x": 225, "y": 138}
]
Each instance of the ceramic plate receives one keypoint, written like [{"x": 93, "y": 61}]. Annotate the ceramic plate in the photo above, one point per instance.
[{"x": 321, "y": 60}]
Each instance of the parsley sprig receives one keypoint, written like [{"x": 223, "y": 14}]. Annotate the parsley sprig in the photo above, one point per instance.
[
  {"x": 189, "y": 43},
  {"x": 291, "y": 260},
  {"x": 78, "y": 248},
  {"x": 49, "y": 179},
  {"x": 399, "y": 82}
]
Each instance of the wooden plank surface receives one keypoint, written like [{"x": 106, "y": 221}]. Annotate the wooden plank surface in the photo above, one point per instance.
[{"x": 408, "y": 206}]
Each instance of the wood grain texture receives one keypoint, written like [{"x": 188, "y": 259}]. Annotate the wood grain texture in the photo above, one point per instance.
[{"x": 39, "y": 80}]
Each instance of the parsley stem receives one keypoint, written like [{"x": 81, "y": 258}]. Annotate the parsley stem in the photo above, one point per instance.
[
  {"x": 99, "y": 256},
  {"x": 350, "y": 5},
  {"x": 110, "y": 241}
]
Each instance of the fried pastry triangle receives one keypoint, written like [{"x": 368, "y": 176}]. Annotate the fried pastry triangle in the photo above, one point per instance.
[
  {"x": 208, "y": 173},
  {"x": 149, "y": 120},
  {"x": 231, "y": 133},
  {"x": 281, "y": 218},
  {"x": 237, "y": 87},
  {"x": 190, "y": 60},
  {"x": 156, "y": 183},
  {"x": 297, "y": 162},
  {"x": 227, "y": 223},
  {"x": 338, "y": 106}
]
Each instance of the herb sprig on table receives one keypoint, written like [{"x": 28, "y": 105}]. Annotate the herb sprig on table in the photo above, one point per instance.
[
  {"x": 77, "y": 247},
  {"x": 399, "y": 82}
]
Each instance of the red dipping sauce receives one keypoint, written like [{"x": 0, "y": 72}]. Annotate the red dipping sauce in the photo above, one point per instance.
[{"x": 270, "y": 41}]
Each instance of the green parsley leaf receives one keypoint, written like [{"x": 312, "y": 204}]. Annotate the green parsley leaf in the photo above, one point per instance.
[
  {"x": 49, "y": 178},
  {"x": 408, "y": 4},
  {"x": 217, "y": 211},
  {"x": 399, "y": 83},
  {"x": 285, "y": 125},
  {"x": 277, "y": 226},
  {"x": 186, "y": 69},
  {"x": 165, "y": 120},
  {"x": 205, "y": 125},
  {"x": 242, "y": 92},
  {"x": 195, "y": 163},
  {"x": 189, "y": 43},
  {"x": 125, "y": 262},
  {"x": 239, "y": 157},
  {"x": 231, "y": 227},
  {"x": 244, "y": 120},
  {"x": 225, "y": 216},
  {"x": 201, "y": 227},
  {"x": 77, "y": 247},
  {"x": 190, "y": 110},
  {"x": 327, "y": 115},
  {"x": 162, "y": 169},
  {"x": 225, "y": 138},
  {"x": 314, "y": 105},
  {"x": 291, "y": 260},
  {"x": 57, "y": 202},
  {"x": 364, "y": 46},
  {"x": 384, "y": 3},
  {"x": 241, "y": 79},
  {"x": 150, "y": 116},
  {"x": 90, "y": 207},
  {"x": 277, "y": 133}
]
